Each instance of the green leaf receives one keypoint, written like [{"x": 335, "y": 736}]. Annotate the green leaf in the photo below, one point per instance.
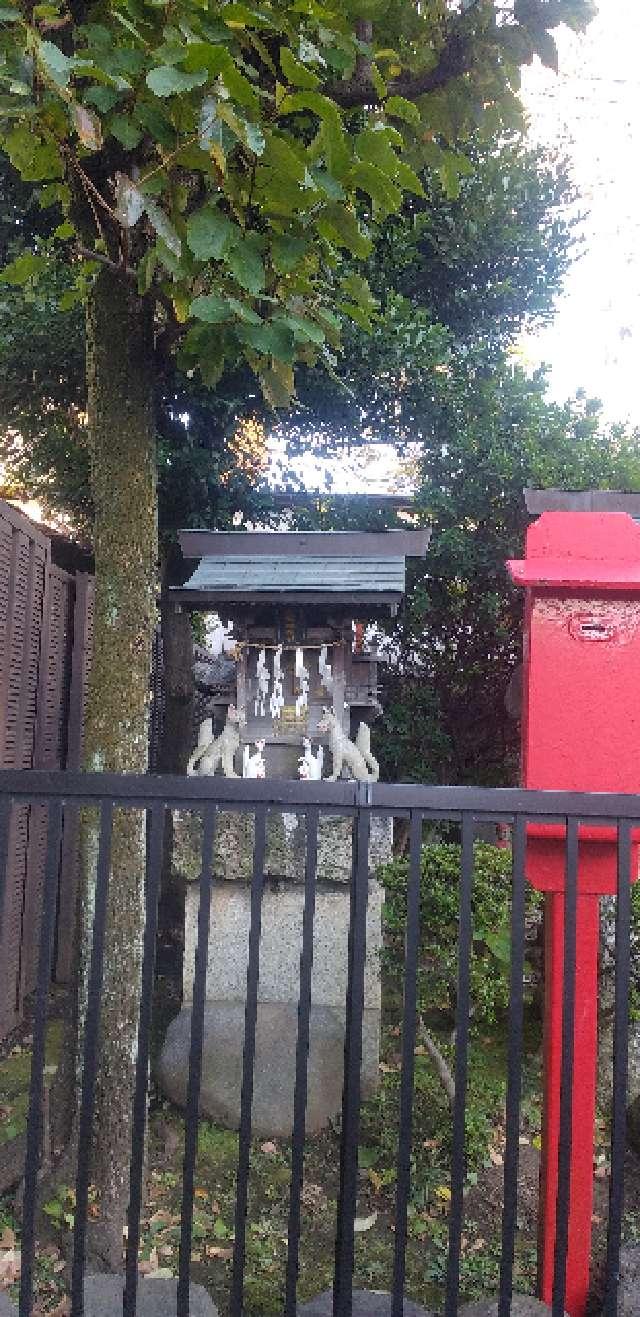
[
  {"x": 340, "y": 226},
  {"x": 306, "y": 330},
  {"x": 210, "y": 308},
  {"x": 408, "y": 180},
  {"x": 254, "y": 137},
  {"x": 399, "y": 108},
  {"x": 368, "y": 178},
  {"x": 209, "y": 233},
  {"x": 64, "y": 231},
  {"x": 287, "y": 252},
  {"x": 163, "y": 226},
  {"x": 246, "y": 264},
  {"x": 297, "y": 74},
  {"x": 217, "y": 62},
  {"x": 277, "y": 383},
  {"x": 272, "y": 338},
  {"x": 249, "y": 133},
  {"x": 168, "y": 81},
  {"x": 355, "y": 312},
  {"x": 58, "y": 65},
  {"x": 156, "y": 123},
  {"x": 8, "y": 15},
  {"x": 356, "y": 287},
  {"x": 378, "y": 81},
  {"x": 285, "y": 157},
  {"x": 126, "y": 131},
  {"x": 104, "y": 98},
  {"x": 24, "y": 268},
  {"x": 146, "y": 270},
  {"x": 375, "y": 147}
]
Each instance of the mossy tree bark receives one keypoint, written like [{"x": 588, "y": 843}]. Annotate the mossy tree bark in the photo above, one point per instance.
[{"x": 120, "y": 376}]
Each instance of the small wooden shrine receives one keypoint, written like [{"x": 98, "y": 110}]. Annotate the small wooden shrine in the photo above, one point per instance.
[{"x": 299, "y": 604}]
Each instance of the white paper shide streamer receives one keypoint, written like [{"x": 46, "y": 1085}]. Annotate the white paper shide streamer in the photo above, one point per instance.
[
  {"x": 324, "y": 669},
  {"x": 263, "y": 679},
  {"x": 276, "y": 702},
  {"x": 302, "y": 683}
]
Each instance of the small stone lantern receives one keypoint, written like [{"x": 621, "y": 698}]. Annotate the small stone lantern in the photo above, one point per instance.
[{"x": 304, "y": 696}]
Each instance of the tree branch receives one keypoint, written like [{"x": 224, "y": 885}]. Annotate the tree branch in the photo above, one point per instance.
[
  {"x": 444, "y": 1073},
  {"x": 455, "y": 59}
]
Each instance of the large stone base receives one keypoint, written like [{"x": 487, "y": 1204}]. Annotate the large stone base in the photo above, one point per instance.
[
  {"x": 156, "y": 1298},
  {"x": 274, "y": 1071}
]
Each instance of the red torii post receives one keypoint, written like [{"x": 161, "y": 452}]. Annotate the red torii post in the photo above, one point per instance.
[{"x": 580, "y": 732}]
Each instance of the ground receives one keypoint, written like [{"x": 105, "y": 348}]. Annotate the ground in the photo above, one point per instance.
[{"x": 270, "y": 1172}]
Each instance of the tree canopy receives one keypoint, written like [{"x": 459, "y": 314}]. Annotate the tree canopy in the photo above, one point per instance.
[{"x": 226, "y": 157}]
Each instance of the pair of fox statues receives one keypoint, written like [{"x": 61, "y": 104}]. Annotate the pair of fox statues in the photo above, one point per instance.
[{"x": 353, "y": 757}]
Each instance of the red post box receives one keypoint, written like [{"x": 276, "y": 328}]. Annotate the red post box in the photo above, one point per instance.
[{"x": 580, "y": 732}]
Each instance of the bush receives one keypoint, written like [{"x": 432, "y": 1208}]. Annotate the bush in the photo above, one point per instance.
[{"x": 439, "y": 912}]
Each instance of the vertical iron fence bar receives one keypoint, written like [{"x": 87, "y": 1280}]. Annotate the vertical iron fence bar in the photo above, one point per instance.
[
  {"x": 461, "y": 1066},
  {"x": 195, "y": 1060},
  {"x": 563, "y": 1200},
  {"x": 514, "y": 1067},
  {"x": 357, "y": 950},
  {"x": 302, "y": 1059},
  {"x": 412, "y": 947},
  {"x": 620, "y": 1066},
  {"x": 248, "y": 1061},
  {"x": 152, "y": 893},
  {"x": 90, "y": 1059},
  {"x": 35, "y": 1132},
  {"x": 5, "y": 823}
]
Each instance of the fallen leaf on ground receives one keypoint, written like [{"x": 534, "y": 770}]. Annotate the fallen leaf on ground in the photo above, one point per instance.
[
  {"x": 363, "y": 1223},
  {"x": 214, "y": 1251}
]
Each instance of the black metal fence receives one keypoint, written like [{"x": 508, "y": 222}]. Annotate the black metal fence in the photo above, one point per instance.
[{"x": 465, "y": 808}]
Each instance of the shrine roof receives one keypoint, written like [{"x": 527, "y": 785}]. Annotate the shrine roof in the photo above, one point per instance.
[
  {"x": 313, "y": 567},
  {"x": 582, "y": 500}
]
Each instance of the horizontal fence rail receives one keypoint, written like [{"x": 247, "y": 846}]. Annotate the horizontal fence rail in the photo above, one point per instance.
[{"x": 466, "y": 808}]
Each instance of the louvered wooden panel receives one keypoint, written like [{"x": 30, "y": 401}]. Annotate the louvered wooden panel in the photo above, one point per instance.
[
  {"x": 24, "y": 559},
  {"x": 50, "y": 736},
  {"x": 80, "y": 662}
]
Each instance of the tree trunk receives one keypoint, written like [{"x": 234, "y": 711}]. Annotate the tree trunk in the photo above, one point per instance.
[{"x": 123, "y": 477}]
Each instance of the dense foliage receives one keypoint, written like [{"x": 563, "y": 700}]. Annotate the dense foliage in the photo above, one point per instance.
[
  {"x": 226, "y": 157},
  {"x": 439, "y": 924}
]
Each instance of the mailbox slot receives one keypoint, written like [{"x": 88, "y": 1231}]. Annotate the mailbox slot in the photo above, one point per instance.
[{"x": 588, "y": 627}]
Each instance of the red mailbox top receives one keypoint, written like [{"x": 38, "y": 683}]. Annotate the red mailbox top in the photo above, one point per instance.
[
  {"x": 598, "y": 550},
  {"x": 581, "y": 697}
]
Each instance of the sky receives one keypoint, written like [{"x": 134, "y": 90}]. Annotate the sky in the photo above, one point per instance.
[{"x": 593, "y": 108}]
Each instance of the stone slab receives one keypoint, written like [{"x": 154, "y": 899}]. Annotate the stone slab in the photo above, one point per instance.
[
  {"x": 629, "y": 1283},
  {"x": 522, "y": 1305},
  {"x": 7, "y": 1309},
  {"x": 366, "y": 1303},
  {"x": 280, "y": 944},
  {"x": 274, "y": 1071},
  {"x": 285, "y": 848},
  {"x": 156, "y": 1298}
]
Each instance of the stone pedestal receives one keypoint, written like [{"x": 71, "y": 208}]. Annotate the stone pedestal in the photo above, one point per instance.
[{"x": 279, "y": 982}]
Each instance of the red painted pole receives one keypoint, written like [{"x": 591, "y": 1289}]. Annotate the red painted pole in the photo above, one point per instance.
[{"x": 584, "y": 1098}]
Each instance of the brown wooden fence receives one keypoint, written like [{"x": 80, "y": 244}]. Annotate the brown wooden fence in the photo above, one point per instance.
[{"x": 46, "y": 619}]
